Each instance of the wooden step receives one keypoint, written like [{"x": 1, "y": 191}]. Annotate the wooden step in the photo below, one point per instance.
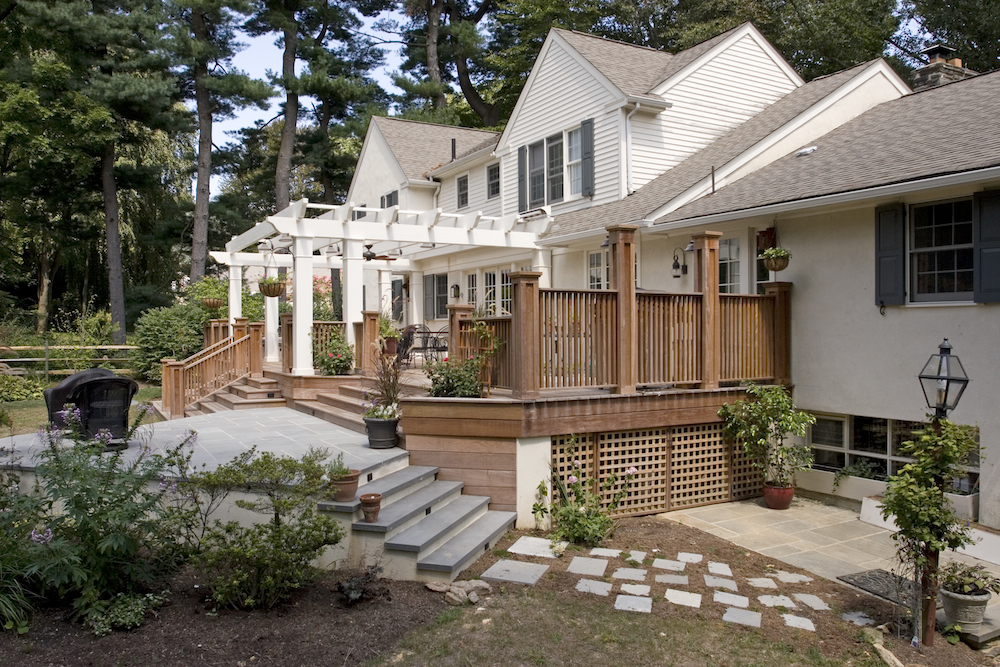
[
  {"x": 234, "y": 402},
  {"x": 462, "y": 550},
  {"x": 349, "y": 420},
  {"x": 341, "y": 402},
  {"x": 254, "y": 393},
  {"x": 261, "y": 382}
]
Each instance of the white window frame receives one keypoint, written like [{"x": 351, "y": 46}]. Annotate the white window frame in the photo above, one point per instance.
[
  {"x": 599, "y": 274},
  {"x": 730, "y": 286},
  {"x": 490, "y": 182},
  {"x": 556, "y": 184},
  {"x": 471, "y": 289},
  {"x": 574, "y": 167},
  {"x": 462, "y": 191},
  {"x": 913, "y": 253}
]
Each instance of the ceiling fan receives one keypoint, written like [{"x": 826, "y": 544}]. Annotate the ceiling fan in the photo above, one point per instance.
[{"x": 369, "y": 254}]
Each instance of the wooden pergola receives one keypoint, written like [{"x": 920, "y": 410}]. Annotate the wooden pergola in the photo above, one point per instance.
[{"x": 292, "y": 237}]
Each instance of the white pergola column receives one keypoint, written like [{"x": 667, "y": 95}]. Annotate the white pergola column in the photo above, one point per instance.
[
  {"x": 385, "y": 291},
  {"x": 271, "y": 353},
  {"x": 302, "y": 275},
  {"x": 416, "y": 315},
  {"x": 352, "y": 279},
  {"x": 235, "y": 293},
  {"x": 542, "y": 261}
]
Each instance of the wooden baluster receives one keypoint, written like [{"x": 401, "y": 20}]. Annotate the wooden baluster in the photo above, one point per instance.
[
  {"x": 256, "y": 349},
  {"x": 285, "y": 323}
]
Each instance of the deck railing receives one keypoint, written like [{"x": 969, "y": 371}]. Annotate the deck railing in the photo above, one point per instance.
[
  {"x": 670, "y": 340},
  {"x": 471, "y": 343},
  {"x": 747, "y": 326},
  {"x": 577, "y": 338}
]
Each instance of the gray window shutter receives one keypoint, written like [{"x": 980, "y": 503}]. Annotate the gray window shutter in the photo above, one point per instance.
[
  {"x": 986, "y": 246},
  {"x": 890, "y": 255},
  {"x": 522, "y": 179},
  {"x": 587, "y": 156},
  {"x": 429, "y": 297}
]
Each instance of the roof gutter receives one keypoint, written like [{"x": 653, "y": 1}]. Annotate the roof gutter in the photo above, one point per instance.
[
  {"x": 892, "y": 190},
  {"x": 597, "y": 232}
]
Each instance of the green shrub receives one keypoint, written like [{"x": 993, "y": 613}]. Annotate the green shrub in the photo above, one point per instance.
[
  {"x": 460, "y": 379},
  {"x": 16, "y": 388},
  {"x": 124, "y": 612},
  {"x": 176, "y": 332},
  {"x": 336, "y": 357}
]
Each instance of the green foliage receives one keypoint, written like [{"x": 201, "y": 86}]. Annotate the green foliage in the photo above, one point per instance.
[
  {"x": 337, "y": 469},
  {"x": 860, "y": 468},
  {"x": 762, "y": 426},
  {"x": 774, "y": 253},
  {"x": 17, "y": 388},
  {"x": 364, "y": 586},
  {"x": 455, "y": 378},
  {"x": 208, "y": 288},
  {"x": 968, "y": 579},
  {"x": 327, "y": 301},
  {"x": 970, "y": 26},
  {"x": 387, "y": 327},
  {"x": 336, "y": 357},
  {"x": 125, "y": 611},
  {"x": 161, "y": 333}
]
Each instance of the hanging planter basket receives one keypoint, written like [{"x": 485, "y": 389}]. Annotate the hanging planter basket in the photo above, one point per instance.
[
  {"x": 776, "y": 263},
  {"x": 272, "y": 289},
  {"x": 212, "y": 304}
]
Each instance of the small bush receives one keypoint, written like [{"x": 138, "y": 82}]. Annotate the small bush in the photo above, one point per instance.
[
  {"x": 16, "y": 388},
  {"x": 461, "y": 379},
  {"x": 176, "y": 332},
  {"x": 364, "y": 586},
  {"x": 124, "y": 612},
  {"x": 337, "y": 357}
]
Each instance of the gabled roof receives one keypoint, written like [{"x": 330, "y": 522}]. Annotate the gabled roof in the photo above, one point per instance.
[
  {"x": 950, "y": 129},
  {"x": 420, "y": 147},
  {"x": 661, "y": 190}
]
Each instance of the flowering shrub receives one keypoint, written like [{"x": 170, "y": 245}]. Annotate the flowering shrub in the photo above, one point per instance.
[{"x": 337, "y": 358}]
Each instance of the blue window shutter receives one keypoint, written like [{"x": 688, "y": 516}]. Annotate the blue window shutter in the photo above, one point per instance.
[
  {"x": 522, "y": 179},
  {"x": 587, "y": 156},
  {"x": 986, "y": 246},
  {"x": 890, "y": 255}
]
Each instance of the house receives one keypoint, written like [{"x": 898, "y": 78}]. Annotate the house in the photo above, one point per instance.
[{"x": 610, "y": 235}]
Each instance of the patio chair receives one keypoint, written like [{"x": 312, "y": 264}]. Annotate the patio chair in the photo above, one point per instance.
[
  {"x": 56, "y": 397},
  {"x": 405, "y": 346},
  {"x": 441, "y": 343},
  {"x": 104, "y": 403}
]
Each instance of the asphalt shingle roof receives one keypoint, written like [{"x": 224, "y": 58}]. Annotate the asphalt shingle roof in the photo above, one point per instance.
[
  {"x": 420, "y": 147},
  {"x": 943, "y": 130},
  {"x": 674, "y": 182}
]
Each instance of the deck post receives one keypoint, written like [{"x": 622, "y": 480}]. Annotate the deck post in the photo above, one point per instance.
[
  {"x": 525, "y": 334},
  {"x": 173, "y": 391},
  {"x": 456, "y": 313},
  {"x": 256, "y": 350},
  {"x": 621, "y": 238},
  {"x": 271, "y": 322},
  {"x": 782, "y": 295},
  {"x": 369, "y": 338},
  {"x": 239, "y": 328},
  {"x": 286, "y": 323},
  {"x": 706, "y": 276}
]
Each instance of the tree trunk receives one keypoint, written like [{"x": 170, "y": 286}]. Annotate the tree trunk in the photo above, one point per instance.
[
  {"x": 116, "y": 282},
  {"x": 283, "y": 172},
  {"x": 489, "y": 113},
  {"x": 433, "y": 62},
  {"x": 199, "y": 235},
  {"x": 324, "y": 166},
  {"x": 48, "y": 261}
]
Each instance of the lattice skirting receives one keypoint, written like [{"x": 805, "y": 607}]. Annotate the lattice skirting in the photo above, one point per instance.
[{"x": 682, "y": 466}]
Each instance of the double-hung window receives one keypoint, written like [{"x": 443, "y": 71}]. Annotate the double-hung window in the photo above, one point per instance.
[
  {"x": 493, "y": 181},
  {"x": 471, "y": 290},
  {"x": 598, "y": 276},
  {"x": 436, "y": 296},
  {"x": 558, "y": 167},
  {"x": 941, "y": 267},
  {"x": 391, "y": 199},
  {"x": 462, "y": 188},
  {"x": 574, "y": 161},
  {"x": 729, "y": 266},
  {"x": 536, "y": 175},
  {"x": 554, "y": 177}
]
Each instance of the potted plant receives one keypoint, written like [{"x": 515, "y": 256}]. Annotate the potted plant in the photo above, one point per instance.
[
  {"x": 775, "y": 259},
  {"x": 212, "y": 292},
  {"x": 965, "y": 590},
  {"x": 382, "y": 414},
  {"x": 762, "y": 426},
  {"x": 388, "y": 333},
  {"x": 371, "y": 503},
  {"x": 343, "y": 480},
  {"x": 271, "y": 285}
]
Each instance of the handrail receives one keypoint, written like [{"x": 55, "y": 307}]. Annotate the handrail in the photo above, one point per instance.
[
  {"x": 211, "y": 348},
  {"x": 216, "y": 369}
]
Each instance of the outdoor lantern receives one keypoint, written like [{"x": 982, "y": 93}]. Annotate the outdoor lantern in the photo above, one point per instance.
[
  {"x": 943, "y": 380},
  {"x": 678, "y": 269},
  {"x": 454, "y": 291}
]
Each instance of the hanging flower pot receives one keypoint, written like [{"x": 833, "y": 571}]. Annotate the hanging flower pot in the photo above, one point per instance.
[
  {"x": 371, "y": 503},
  {"x": 271, "y": 288},
  {"x": 212, "y": 303},
  {"x": 776, "y": 263}
]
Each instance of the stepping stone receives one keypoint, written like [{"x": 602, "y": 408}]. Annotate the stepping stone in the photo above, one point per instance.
[
  {"x": 742, "y": 616},
  {"x": 689, "y": 558},
  {"x": 731, "y": 600},
  {"x": 602, "y": 588},
  {"x": 683, "y": 598},
  {"x": 719, "y": 568},
  {"x": 605, "y": 553},
  {"x": 812, "y": 601},
  {"x": 515, "y": 572},
  {"x": 634, "y": 603},
  {"x": 637, "y": 556},
  {"x": 777, "y": 601},
  {"x": 592, "y": 567},
  {"x": 672, "y": 579},
  {"x": 789, "y": 578},
  {"x": 636, "y": 589},
  {"x": 719, "y": 582},
  {"x": 632, "y": 573},
  {"x": 536, "y": 546},
  {"x": 858, "y": 618},
  {"x": 664, "y": 564},
  {"x": 762, "y": 582},
  {"x": 798, "y": 622}
]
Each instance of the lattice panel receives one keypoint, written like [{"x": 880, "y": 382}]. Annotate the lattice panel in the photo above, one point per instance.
[
  {"x": 645, "y": 450},
  {"x": 700, "y": 466},
  {"x": 565, "y": 454},
  {"x": 746, "y": 480}
]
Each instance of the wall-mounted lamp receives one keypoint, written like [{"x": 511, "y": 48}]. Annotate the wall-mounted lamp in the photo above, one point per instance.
[
  {"x": 607, "y": 242},
  {"x": 454, "y": 291},
  {"x": 678, "y": 269},
  {"x": 406, "y": 287}
]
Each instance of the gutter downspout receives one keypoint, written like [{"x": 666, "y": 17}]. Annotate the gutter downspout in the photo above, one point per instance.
[{"x": 628, "y": 149}]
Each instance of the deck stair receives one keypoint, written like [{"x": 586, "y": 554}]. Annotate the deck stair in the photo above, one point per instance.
[
  {"x": 426, "y": 530},
  {"x": 244, "y": 394},
  {"x": 342, "y": 407}
]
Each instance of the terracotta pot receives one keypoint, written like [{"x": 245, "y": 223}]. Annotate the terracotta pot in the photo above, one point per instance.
[
  {"x": 778, "y": 497},
  {"x": 371, "y": 503},
  {"x": 212, "y": 304},
  {"x": 345, "y": 488},
  {"x": 776, "y": 263},
  {"x": 272, "y": 289},
  {"x": 390, "y": 345},
  {"x": 965, "y": 610},
  {"x": 381, "y": 432}
]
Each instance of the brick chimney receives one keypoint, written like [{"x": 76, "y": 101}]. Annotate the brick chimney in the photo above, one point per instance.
[{"x": 942, "y": 68}]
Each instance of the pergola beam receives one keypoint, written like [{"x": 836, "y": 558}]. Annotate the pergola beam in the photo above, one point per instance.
[{"x": 286, "y": 261}]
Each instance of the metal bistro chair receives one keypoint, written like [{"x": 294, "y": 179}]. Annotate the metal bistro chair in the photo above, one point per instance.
[
  {"x": 104, "y": 404},
  {"x": 441, "y": 344},
  {"x": 405, "y": 348},
  {"x": 422, "y": 341}
]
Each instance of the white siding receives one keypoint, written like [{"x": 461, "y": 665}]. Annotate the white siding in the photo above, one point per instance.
[
  {"x": 448, "y": 198},
  {"x": 377, "y": 172},
  {"x": 562, "y": 94},
  {"x": 732, "y": 87}
]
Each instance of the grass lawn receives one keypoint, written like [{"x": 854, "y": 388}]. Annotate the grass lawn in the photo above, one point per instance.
[{"x": 29, "y": 415}]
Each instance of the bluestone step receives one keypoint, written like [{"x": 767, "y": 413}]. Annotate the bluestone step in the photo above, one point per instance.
[
  {"x": 415, "y": 504},
  {"x": 437, "y": 524},
  {"x": 469, "y": 544}
]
